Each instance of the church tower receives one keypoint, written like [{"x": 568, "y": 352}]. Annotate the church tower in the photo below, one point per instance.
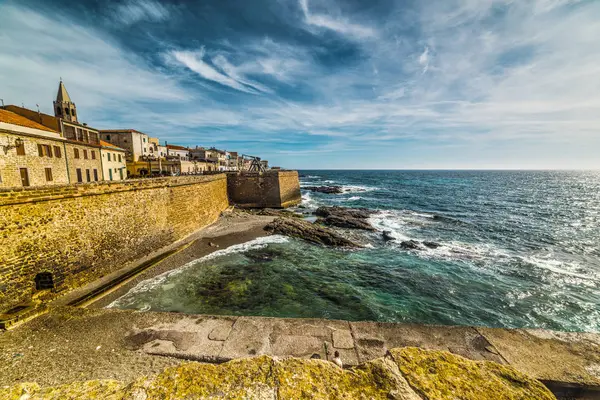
[{"x": 63, "y": 106}]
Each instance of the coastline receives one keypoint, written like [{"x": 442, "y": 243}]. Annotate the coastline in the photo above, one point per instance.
[{"x": 231, "y": 228}]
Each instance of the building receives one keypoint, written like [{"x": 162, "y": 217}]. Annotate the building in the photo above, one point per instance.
[
  {"x": 138, "y": 148},
  {"x": 31, "y": 154},
  {"x": 114, "y": 165},
  {"x": 81, "y": 149},
  {"x": 178, "y": 152}
]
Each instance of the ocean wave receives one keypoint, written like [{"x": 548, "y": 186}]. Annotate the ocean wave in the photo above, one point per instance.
[
  {"x": 549, "y": 263},
  {"x": 308, "y": 201},
  {"x": 356, "y": 188},
  {"x": 354, "y": 198},
  {"x": 158, "y": 280}
]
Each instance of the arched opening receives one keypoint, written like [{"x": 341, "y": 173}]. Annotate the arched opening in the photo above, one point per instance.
[{"x": 44, "y": 281}]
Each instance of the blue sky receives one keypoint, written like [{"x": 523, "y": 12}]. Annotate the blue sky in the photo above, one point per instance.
[{"x": 324, "y": 84}]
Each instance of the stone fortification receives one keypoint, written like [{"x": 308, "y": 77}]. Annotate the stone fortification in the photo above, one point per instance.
[
  {"x": 54, "y": 238},
  {"x": 273, "y": 189}
]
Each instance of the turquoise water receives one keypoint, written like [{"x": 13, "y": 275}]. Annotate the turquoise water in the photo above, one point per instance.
[{"x": 517, "y": 249}]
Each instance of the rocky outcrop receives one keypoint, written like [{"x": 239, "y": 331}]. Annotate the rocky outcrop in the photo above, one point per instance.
[
  {"x": 325, "y": 189},
  {"x": 310, "y": 232},
  {"x": 416, "y": 245},
  {"x": 342, "y": 217},
  {"x": 404, "y": 374}
]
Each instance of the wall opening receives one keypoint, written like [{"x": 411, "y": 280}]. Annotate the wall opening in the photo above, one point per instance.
[{"x": 44, "y": 281}]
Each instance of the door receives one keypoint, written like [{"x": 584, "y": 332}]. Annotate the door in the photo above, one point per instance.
[
  {"x": 110, "y": 174},
  {"x": 121, "y": 173},
  {"x": 79, "y": 176},
  {"x": 24, "y": 176}
]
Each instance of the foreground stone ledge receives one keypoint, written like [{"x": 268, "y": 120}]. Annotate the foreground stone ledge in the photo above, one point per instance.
[{"x": 404, "y": 374}]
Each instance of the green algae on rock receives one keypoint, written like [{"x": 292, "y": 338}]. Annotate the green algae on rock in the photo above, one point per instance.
[{"x": 400, "y": 375}]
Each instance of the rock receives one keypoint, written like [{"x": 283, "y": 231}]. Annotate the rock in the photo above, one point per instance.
[
  {"x": 410, "y": 245},
  {"x": 325, "y": 189},
  {"x": 431, "y": 245},
  {"x": 310, "y": 232},
  {"x": 438, "y": 375},
  {"x": 387, "y": 236},
  {"x": 403, "y": 374},
  {"x": 349, "y": 222},
  {"x": 342, "y": 217},
  {"x": 361, "y": 213},
  {"x": 278, "y": 213}
]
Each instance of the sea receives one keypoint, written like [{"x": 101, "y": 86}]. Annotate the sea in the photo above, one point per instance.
[{"x": 517, "y": 249}]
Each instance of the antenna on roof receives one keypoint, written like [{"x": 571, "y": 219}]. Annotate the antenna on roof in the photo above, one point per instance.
[
  {"x": 38, "y": 107},
  {"x": 23, "y": 104},
  {"x": 2, "y": 100}
]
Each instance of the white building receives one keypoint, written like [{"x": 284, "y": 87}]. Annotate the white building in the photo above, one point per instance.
[{"x": 114, "y": 164}]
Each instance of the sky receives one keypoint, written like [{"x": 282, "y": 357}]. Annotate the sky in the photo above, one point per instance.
[{"x": 378, "y": 84}]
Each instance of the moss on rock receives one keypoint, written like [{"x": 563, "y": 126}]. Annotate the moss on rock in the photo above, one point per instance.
[
  {"x": 400, "y": 375},
  {"x": 442, "y": 375}
]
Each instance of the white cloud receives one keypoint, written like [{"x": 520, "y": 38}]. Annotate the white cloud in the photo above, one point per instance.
[
  {"x": 340, "y": 25},
  {"x": 35, "y": 51},
  {"x": 133, "y": 11},
  {"x": 424, "y": 59}
]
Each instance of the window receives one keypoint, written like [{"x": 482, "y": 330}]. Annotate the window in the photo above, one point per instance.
[
  {"x": 48, "y": 150},
  {"x": 58, "y": 111},
  {"x": 40, "y": 150},
  {"x": 57, "y": 152},
  {"x": 79, "y": 176},
  {"x": 115, "y": 170},
  {"x": 85, "y": 155},
  {"x": 124, "y": 140},
  {"x": 93, "y": 154},
  {"x": 107, "y": 137},
  {"x": 44, "y": 281},
  {"x": 144, "y": 140},
  {"x": 87, "y": 175},
  {"x": 108, "y": 155},
  {"x": 110, "y": 174},
  {"x": 76, "y": 153},
  {"x": 96, "y": 175},
  {"x": 121, "y": 173},
  {"x": 66, "y": 111},
  {"x": 48, "y": 174},
  {"x": 24, "y": 176},
  {"x": 21, "y": 149},
  {"x": 73, "y": 111},
  {"x": 120, "y": 158}
]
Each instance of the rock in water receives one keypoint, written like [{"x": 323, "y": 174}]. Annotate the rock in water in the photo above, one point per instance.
[
  {"x": 310, "y": 232},
  {"x": 342, "y": 217},
  {"x": 362, "y": 213},
  {"x": 325, "y": 189},
  {"x": 387, "y": 236},
  {"x": 410, "y": 245},
  {"x": 431, "y": 245}
]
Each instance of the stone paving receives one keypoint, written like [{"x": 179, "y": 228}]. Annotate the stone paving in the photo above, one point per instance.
[{"x": 571, "y": 358}]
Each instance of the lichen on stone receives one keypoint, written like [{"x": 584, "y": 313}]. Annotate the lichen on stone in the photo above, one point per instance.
[{"x": 443, "y": 375}]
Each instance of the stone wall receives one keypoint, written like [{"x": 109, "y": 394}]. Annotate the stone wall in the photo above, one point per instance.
[
  {"x": 81, "y": 232},
  {"x": 273, "y": 189}
]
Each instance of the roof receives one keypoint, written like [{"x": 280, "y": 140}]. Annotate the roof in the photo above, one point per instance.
[
  {"x": 63, "y": 95},
  {"x": 10, "y": 117},
  {"x": 175, "y": 147},
  {"x": 111, "y": 146},
  {"x": 121, "y": 131}
]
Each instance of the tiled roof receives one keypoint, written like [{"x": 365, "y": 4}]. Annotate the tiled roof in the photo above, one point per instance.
[
  {"x": 175, "y": 147},
  {"x": 120, "y": 131},
  {"x": 15, "y": 119},
  {"x": 112, "y": 146}
]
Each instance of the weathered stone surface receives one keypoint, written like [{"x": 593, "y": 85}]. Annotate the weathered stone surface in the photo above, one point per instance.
[
  {"x": 550, "y": 356},
  {"x": 439, "y": 375},
  {"x": 325, "y": 189},
  {"x": 374, "y": 339},
  {"x": 342, "y": 339},
  {"x": 400, "y": 375},
  {"x": 308, "y": 231},
  {"x": 346, "y": 222}
]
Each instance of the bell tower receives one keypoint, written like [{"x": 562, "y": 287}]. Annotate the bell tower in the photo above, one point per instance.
[{"x": 63, "y": 106}]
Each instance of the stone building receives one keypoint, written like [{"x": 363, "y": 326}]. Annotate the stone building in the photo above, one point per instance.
[
  {"x": 114, "y": 164},
  {"x": 31, "y": 154},
  {"x": 82, "y": 143}
]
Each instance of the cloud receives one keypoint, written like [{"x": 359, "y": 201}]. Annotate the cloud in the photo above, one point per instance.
[
  {"x": 36, "y": 50},
  {"x": 339, "y": 25},
  {"x": 133, "y": 11},
  {"x": 424, "y": 59},
  {"x": 194, "y": 61}
]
